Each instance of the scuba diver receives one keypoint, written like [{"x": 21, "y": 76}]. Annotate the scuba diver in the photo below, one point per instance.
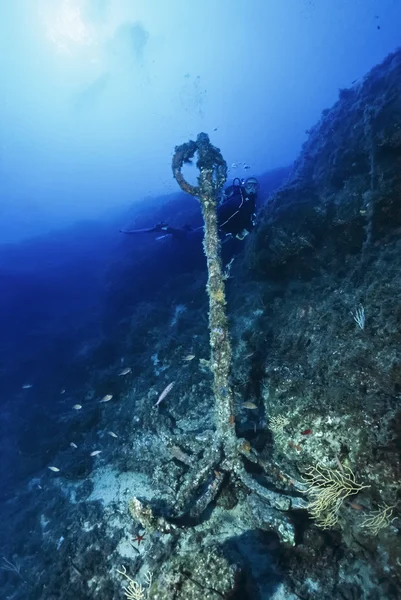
[{"x": 235, "y": 213}]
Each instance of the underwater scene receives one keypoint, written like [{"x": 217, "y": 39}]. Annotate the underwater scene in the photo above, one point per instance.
[{"x": 200, "y": 302}]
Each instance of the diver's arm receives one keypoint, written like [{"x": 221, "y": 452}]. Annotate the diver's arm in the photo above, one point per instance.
[
  {"x": 137, "y": 230},
  {"x": 157, "y": 228}
]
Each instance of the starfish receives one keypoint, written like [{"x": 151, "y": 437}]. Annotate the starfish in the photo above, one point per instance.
[{"x": 139, "y": 538}]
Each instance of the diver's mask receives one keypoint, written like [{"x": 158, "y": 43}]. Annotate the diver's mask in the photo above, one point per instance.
[{"x": 251, "y": 185}]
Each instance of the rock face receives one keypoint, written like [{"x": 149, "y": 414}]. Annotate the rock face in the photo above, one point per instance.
[
  {"x": 326, "y": 337},
  {"x": 344, "y": 191}
]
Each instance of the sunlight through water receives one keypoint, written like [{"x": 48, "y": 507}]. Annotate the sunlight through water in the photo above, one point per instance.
[{"x": 65, "y": 26}]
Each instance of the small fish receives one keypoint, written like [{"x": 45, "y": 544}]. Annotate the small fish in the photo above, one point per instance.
[
  {"x": 62, "y": 392},
  {"x": 73, "y": 445},
  {"x": 189, "y": 357},
  {"x": 215, "y": 129},
  {"x": 61, "y": 540},
  {"x": 106, "y": 398},
  {"x": 114, "y": 435},
  {"x": 165, "y": 392},
  {"x": 125, "y": 371},
  {"x": 249, "y": 405},
  {"x": 77, "y": 406},
  {"x": 356, "y": 506},
  {"x": 296, "y": 447},
  {"x": 27, "y": 386},
  {"x": 306, "y": 432},
  {"x": 54, "y": 469},
  {"x": 95, "y": 453}
]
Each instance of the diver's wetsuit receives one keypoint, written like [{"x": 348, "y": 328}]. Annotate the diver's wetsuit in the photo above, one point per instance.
[{"x": 236, "y": 214}]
